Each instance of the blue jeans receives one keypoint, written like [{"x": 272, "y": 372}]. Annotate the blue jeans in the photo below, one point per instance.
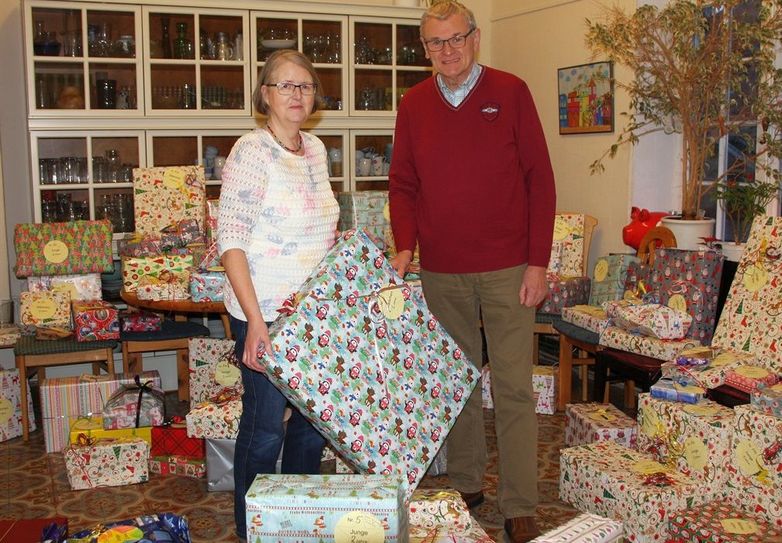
[{"x": 262, "y": 433}]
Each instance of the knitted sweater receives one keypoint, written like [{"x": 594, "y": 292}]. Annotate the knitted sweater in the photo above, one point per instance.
[
  {"x": 279, "y": 209},
  {"x": 472, "y": 184}
]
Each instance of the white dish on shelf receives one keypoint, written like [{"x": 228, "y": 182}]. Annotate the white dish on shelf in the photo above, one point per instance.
[{"x": 278, "y": 44}]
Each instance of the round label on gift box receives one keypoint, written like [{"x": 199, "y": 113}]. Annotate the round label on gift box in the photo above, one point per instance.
[
  {"x": 701, "y": 410},
  {"x": 561, "y": 229},
  {"x": 748, "y": 458},
  {"x": 6, "y": 411},
  {"x": 43, "y": 308},
  {"x": 601, "y": 270},
  {"x": 739, "y": 526},
  {"x": 647, "y": 467},
  {"x": 752, "y": 372},
  {"x": 755, "y": 278},
  {"x": 392, "y": 303},
  {"x": 723, "y": 359},
  {"x": 695, "y": 453},
  {"x": 67, "y": 288},
  {"x": 226, "y": 374},
  {"x": 649, "y": 422},
  {"x": 678, "y": 302},
  {"x": 359, "y": 527},
  {"x": 55, "y": 251},
  {"x": 174, "y": 178}
]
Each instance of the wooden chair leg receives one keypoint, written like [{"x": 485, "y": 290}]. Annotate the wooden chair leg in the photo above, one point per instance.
[
  {"x": 110, "y": 362},
  {"x": 21, "y": 365},
  {"x": 183, "y": 374},
  {"x": 226, "y": 325},
  {"x": 535, "y": 349},
  {"x": 629, "y": 394},
  {"x": 41, "y": 371},
  {"x": 584, "y": 376},
  {"x": 565, "y": 371}
]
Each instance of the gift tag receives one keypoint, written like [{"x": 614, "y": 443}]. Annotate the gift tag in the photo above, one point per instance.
[
  {"x": 701, "y": 410},
  {"x": 601, "y": 270},
  {"x": 678, "y": 302},
  {"x": 43, "y": 308},
  {"x": 755, "y": 278},
  {"x": 6, "y": 411},
  {"x": 174, "y": 178},
  {"x": 359, "y": 527},
  {"x": 723, "y": 359},
  {"x": 68, "y": 288},
  {"x": 739, "y": 526},
  {"x": 561, "y": 229},
  {"x": 695, "y": 453},
  {"x": 387, "y": 212},
  {"x": 752, "y": 372},
  {"x": 392, "y": 303},
  {"x": 748, "y": 458},
  {"x": 226, "y": 374},
  {"x": 647, "y": 467},
  {"x": 649, "y": 422},
  {"x": 55, "y": 251}
]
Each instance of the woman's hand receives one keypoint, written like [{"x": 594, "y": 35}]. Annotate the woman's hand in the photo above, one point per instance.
[{"x": 257, "y": 340}]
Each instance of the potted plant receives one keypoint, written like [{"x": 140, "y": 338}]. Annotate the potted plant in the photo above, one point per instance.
[{"x": 704, "y": 70}]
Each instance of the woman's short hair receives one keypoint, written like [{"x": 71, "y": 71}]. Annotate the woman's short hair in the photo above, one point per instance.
[
  {"x": 274, "y": 61},
  {"x": 443, "y": 9}
]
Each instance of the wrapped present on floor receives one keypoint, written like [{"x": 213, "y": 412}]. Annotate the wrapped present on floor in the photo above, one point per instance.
[
  {"x": 91, "y": 427},
  {"x": 693, "y": 439},
  {"x": 212, "y": 369},
  {"x": 140, "y": 321},
  {"x": 750, "y": 321},
  {"x": 95, "y": 320},
  {"x": 663, "y": 349},
  {"x": 719, "y": 522},
  {"x": 585, "y": 528},
  {"x": 364, "y": 209},
  {"x": 589, "y": 317},
  {"x": 178, "y": 465},
  {"x": 544, "y": 386},
  {"x": 134, "y": 405},
  {"x": 9, "y": 335},
  {"x": 63, "y": 398},
  {"x": 749, "y": 378},
  {"x": 653, "y": 320},
  {"x": 158, "y": 267},
  {"x": 207, "y": 286},
  {"x": 706, "y": 366},
  {"x": 590, "y": 422},
  {"x": 486, "y": 396},
  {"x": 215, "y": 421},
  {"x": 11, "y": 405},
  {"x": 768, "y": 399},
  {"x": 107, "y": 462},
  {"x": 168, "y": 287},
  {"x": 441, "y": 516},
  {"x": 172, "y": 439},
  {"x": 53, "y": 529},
  {"x": 160, "y": 527},
  {"x": 756, "y": 483},
  {"x": 382, "y": 356},
  {"x": 567, "y": 247},
  {"x": 220, "y": 464},
  {"x": 63, "y": 248},
  {"x": 86, "y": 286},
  {"x": 564, "y": 291},
  {"x": 612, "y": 481},
  {"x": 167, "y": 195},
  {"x": 608, "y": 278},
  {"x": 46, "y": 309},
  {"x": 674, "y": 391},
  {"x": 292, "y": 508}
]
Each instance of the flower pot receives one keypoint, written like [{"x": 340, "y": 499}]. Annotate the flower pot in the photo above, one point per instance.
[
  {"x": 732, "y": 251},
  {"x": 689, "y": 233}
]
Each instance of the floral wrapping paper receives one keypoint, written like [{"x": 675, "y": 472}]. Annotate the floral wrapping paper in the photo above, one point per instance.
[
  {"x": 11, "y": 405},
  {"x": 211, "y": 368},
  {"x": 768, "y": 399},
  {"x": 178, "y": 465},
  {"x": 544, "y": 386},
  {"x": 207, "y": 286},
  {"x": 567, "y": 247},
  {"x": 65, "y": 397},
  {"x": 134, "y": 405},
  {"x": 172, "y": 440},
  {"x": 756, "y": 483},
  {"x": 160, "y": 267},
  {"x": 140, "y": 321},
  {"x": 295, "y": 508},
  {"x": 608, "y": 278},
  {"x": 674, "y": 391},
  {"x": 441, "y": 516},
  {"x": 91, "y": 427},
  {"x": 662, "y": 349},
  {"x": 95, "y": 320},
  {"x": 164, "y": 196},
  {"x": 46, "y": 309},
  {"x": 175, "y": 287},
  {"x": 87, "y": 286},
  {"x": 63, "y": 248},
  {"x": 591, "y": 422},
  {"x": 585, "y": 528},
  {"x": 588, "y": 317},
  {"x": 692, "y": 439},
  {"x": 389, "y": 381},
  {"x": 653, "y": 320},
  {"x": 710, "y": 368},
  {"x": 564, "y": 292},
  {"x": 749, "y": 378},
  {"x": 365, "y": 209},
  {"x": 486, "y": 396},
  {"x": 610, "y": 480},
  {"x": 719, "y": 522},
  {"x": 751, "y": 320},
  {"x": 107, "y": 463},
  {"x": 215, "y": 421}
]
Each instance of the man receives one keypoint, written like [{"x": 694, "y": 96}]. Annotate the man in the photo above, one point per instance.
[{"x": 472, "y": 184}]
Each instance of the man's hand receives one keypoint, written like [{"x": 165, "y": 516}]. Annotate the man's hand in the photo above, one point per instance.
[
  {"x": 401, "y": 262},
  {"x": 534, "y": 287}
]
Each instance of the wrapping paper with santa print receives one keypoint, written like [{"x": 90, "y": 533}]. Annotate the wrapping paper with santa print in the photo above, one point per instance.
[
  {"x": 590, "y": 422},
  {"x": 134, "y": 405},
  {"x": 612, "y": 307},
  {"x": 663, "y": 349},
  {"x": 207, "y": 286},
  {"x": 85, "y": 286},
  {"x": 212, "y": 369},
  {"x": 11, "y": 405},
  {"x": 115, "y": 462},
  {"x": 95, "y": 320},
  {"x": 564, "y": 292},
  {"x": 46, "y": 309},
  {"x": 441, "y": 516},
  {"x": 610, "y": 480},
  {"x": 719, "y": 522},
  {"x": 768, "y": 399},
  {"x": 749, "y": 378},
  {"x": 160, "y": 267},
  {"x": 585, "y": 528},
  {"x": 178, "y": 465},
  {"x": 588, "y": 317},
  {"x": 608, "y": 278},
  {"x": 544, "y": 386},
  {"x": 388, "y": 381},
  {"x": 215, "y": 421},
  {"x": 751, "y": 320},
  {"x": 567, "y": 247},
  {"x": 653, "y": 320},
  {"x": 164, "y": 196},
  {"x": 692, "y": 439},
  {"x": 706, "y": 366},
  {"x": 756, "y": 483}
]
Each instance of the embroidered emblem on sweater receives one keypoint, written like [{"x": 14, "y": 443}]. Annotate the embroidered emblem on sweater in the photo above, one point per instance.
[{"x": 490, "y": 111}]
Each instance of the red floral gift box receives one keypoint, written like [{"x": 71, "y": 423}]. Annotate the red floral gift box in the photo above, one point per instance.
[{"x": 95, "y": 320}]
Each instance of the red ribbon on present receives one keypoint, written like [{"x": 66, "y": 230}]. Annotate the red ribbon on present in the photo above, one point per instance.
[
  {"x": 84, "y": 440},
  {"x": 290, "y": 304},
  {"x": 659, "y": 479},
  {"x": 225, "y": 395}
]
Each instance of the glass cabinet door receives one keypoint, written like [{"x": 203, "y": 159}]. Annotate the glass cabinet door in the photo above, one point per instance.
[
  {"x": 337, "y": 156},
  {"x": 372, "y": 151}
]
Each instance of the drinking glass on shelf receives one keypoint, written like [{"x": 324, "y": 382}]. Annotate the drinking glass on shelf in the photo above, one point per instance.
[
  {"x": 49, "y": 211},
  {"x": 100, "y": 169}
]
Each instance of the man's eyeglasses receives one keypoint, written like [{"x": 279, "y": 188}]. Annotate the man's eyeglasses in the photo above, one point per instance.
[
  {"x": 286, "y": 88},
  {"x": 456, "y": 42}
]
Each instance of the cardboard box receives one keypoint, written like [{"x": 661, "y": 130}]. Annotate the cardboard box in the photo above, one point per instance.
[
  {"x": 135, "y": 268},
  {"x": 706, "y": 366},
  {"x": 170, "y": 440},
  {"x": 653, "y": 320},
  {"x": 441, "y": 516},
  {"x": 567, "y": 247},
  {"x": 207, "y": 286},
  {"x": 178, "y": 465},
  {"x": 46, "y": 309},
  {"x": 215, "y": 421},
  {"x": 92, "y": 428},
  {"x": 85, "y": 286},
  {"x": 564, "y": 291},
  {"x": 589, "y": 317},
  {"x": 544, "y": 386}
]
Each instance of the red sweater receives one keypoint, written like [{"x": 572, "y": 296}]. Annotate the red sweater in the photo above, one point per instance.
[{"x": 463, "y": 180}]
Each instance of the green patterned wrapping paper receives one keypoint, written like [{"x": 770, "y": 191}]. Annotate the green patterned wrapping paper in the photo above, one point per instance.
[{"x": 133, "y": 268}]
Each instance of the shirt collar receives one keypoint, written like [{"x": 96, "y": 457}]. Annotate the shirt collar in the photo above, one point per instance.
[{"x": 455, "y": 97}]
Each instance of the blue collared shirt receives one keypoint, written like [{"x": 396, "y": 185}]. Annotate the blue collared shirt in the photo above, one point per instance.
[{"x": 456, "y": 97}]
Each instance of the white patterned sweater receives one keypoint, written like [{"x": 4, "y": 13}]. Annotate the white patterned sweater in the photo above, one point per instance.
[{"x": 280, "y": 210}]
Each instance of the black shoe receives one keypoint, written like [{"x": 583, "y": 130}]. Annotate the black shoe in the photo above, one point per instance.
[{"x": 472, "y": 499}]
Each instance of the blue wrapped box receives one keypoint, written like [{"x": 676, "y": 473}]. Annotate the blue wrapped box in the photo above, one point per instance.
[
  {"x": 608, "y": 278},
  {"x": 207, "y": 286},
  {"x": 668, "y": 389}
]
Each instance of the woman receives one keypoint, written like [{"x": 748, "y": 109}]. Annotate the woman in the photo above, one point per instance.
[{"x": 277, "y": 219}]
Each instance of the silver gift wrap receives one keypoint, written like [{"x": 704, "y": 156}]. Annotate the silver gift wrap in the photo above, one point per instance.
[{"x": 220, "y": 464}]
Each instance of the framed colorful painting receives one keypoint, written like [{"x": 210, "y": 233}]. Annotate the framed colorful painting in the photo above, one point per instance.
[{"x": 586, "y": 98}]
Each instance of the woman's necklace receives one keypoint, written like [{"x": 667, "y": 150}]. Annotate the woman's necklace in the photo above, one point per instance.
[{"x": 295, "y": 151}]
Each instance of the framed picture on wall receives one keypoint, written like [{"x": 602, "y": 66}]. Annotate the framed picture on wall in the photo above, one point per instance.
[{"x": 586, "y": 98}]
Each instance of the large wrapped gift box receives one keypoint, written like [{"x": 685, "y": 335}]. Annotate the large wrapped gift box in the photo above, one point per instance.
[
  {"x": 294, "y": 508},
  {"x": 91, "y": 427},
  {"x": 768, "y": 399},
  {"x": 164, "y": 196},
  {"x": 85, "y": 286},
  {"x": 441, "y": 516},
  {"x": 63, "y": 398},
  {"x": 750, "y": 321},
  {"x": 749, "y": 378},
  {"x": 756, "y": 483},
  {"x": 544, "y": 386},
  {"x": 613, "y": 481},
  {"x": 706, "y": 366},
  {"x": 211, "y": 368},
  {"x": 567, "y": 247},
  {"x": 215, "y": 420},
  {"x": 220, "y": 464},
  {"x": 564, "y": 291},
  {"x": 107, "y": 463},
  {"x": 95, "y": 320},
  {"x": 719, "y": 522},
  {"x": 653, "y": 320},
  {"x": 172, "y": 439},
  {"x": 675, "y": 391},
  {"x": 207, "y": 286},
  {"x": 662, "y": 349},
  {"x": 134, "y": 405},
  {"x": 11, "y": 405},
  {"x": 585, "y": 528},
  {"x": 160, "y": 527},
  {"x": 46, "y": 309},
  {"x": 63, "y": 248},
  {"x": 364, "y": 209},
  {"x": 389, "y": 381},
  {"x": 589, "y": 317},
  {"x": 161, "y": 267},
  {"x": 178, "y": 465},
  {"x": 608, "y": 278},
  {"x": 693, "y": 439},
  {"x": 590, "y": 422}
]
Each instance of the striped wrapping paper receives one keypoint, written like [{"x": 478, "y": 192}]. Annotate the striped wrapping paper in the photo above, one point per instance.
[{"x": 66, "y": 397}]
